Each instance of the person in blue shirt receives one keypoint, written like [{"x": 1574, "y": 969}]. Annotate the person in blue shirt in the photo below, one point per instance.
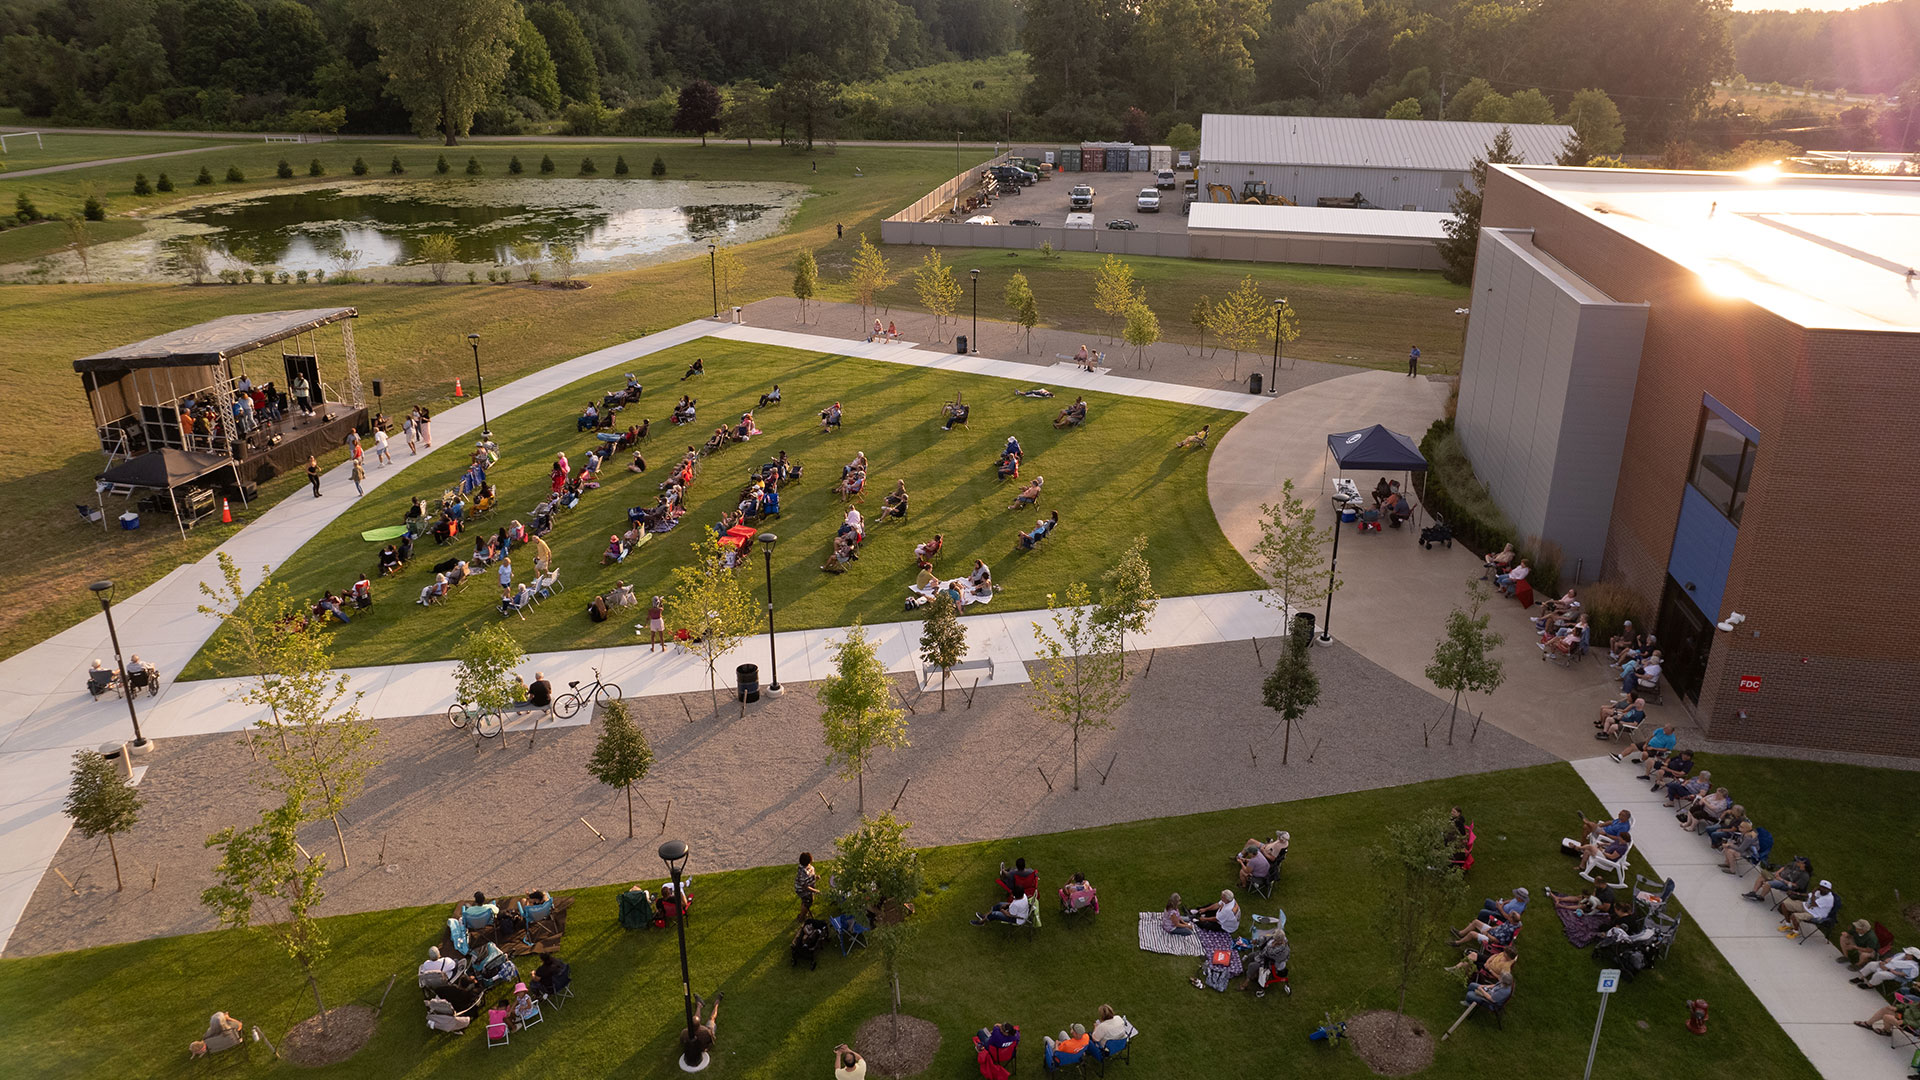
[
  {"x": 1619, "y": 825},
  {"x": 1508, "y": 910},
  {"x": 1663, "y": 741}
]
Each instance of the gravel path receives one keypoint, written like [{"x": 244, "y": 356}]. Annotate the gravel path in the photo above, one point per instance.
[{"x": 745, "y": 792}]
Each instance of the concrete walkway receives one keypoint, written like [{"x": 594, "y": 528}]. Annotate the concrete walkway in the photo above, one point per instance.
[
  {"x": 1799, "y": 984},
  {"x": 97, "y": 162}
]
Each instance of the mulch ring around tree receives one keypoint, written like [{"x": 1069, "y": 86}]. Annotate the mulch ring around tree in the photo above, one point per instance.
[
  {"x": 905, "y": 1053},
  {"x": 1390, "y": 1044},
  {"x": 348, "y": 1029}
]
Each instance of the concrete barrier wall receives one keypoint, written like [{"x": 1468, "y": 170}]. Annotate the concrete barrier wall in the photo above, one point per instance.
[{"x": 938, "y": 200}]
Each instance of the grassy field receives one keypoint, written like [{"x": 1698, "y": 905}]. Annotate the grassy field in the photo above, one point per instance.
[
  {"x": 1106, "y": 485},
  {"x": 27, "y": 242},
  {"x": 61, "y": 149},
  {"x": 129, "y": 1010}
]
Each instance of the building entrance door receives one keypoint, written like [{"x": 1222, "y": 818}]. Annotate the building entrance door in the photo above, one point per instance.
[{"x": 1686, "y": 637}]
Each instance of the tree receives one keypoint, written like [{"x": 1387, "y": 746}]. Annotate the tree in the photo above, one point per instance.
[
  {"x": 262, "y": 882},
  {"x": 441, "y": 166},
  {"x": 1529, "y": 107},
  {"x": 728, "y": 274},
  {"x": 573, "y": 57},
  {"x": 196, "y": 258},
  {"x": 1184, "y": 136},
  {"x": 943, "y": 640},
  {"x": 546, "y": 164},
  {"x": 1142, "y": 328},
  {"x": 1419, "y": 886},
  {"x": 531, "y": 72},
  {"x": 1081, "y": 678},
  {"x": 1490, "y": 109},
  {"x": 803, "y": 102},
  {"x": 622, "y": 756},
  {"x": 1128, "y": 600},
  {"x": 857, "y": 715},
  {"x": 1461, "y": 105},
  {"x": 283, "y": 170},
  {"x": 206, "y": 175},
  {"x": 395, "y": 167},
  {"x": 747, "y": 112},
  {"x": 80, "y": 242},
  {"x": 869, "y": 275},
  {"x": 140, "y": 184},
  {"x": 484, "y": 677},
  {"x": 102, "y": 803},
  {"x": 473, "y": 166},
  {"x": 937, "y": 288},
  {"x": 1324, "y": 36},
  {"x": 714, "y": 605},
  {"x": 1463, "y": 658},
  {"x": 1406, "y": 109},
  {"x": 699, "y": 109},
  {"x": 659, "y": 168},
  {"x": 806, "y": 279},
  {"x": 1113, "y": 290},
  {"x": 1244, "y": 320},
  {"x": 443, "y": 61},
  {"x": 876, "y": 868},
  {"x": 1200, "y": 47},
  {"x": 439, "y": 251},
  {"x": 1595, "y": 120},
  {"x": 562, "y": 256},
  {"x": 1288, "y": 554},
  {"x": 1022, "y": 306},
  {"x": 1292, "y": 687},
  {"x": 1463, "y": 228},
  {"x": 1201, "y": 316}
]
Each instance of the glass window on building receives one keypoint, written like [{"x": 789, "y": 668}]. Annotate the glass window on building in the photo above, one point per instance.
[{"x": 1722, "y": 465}]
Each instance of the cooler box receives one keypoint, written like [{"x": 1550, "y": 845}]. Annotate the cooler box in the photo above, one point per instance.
[{"x": 129, "y": 520}]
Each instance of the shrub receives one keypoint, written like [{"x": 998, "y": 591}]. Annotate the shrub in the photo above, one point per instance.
[
  {"x": 396, "y": 168},
  {"x": 319, "y": 276},
  {"x": 246, "y": 275},
  {"x": 165, "y": 183},
  {"x": 659, "y": 167},
  {"x": 235, "y": 176},
  {"x": 473, "y": 277},
  {"x": 140, "y": 185},
  {"x": 1454, "y": 493},
  {"x": 1547, "y": 560},
  {"x": 473, "y": 166},
  {"x": 314, "y": 168},
  {"x": 441, "y": 166},
  {"x": 284, "y": 277},
  {"x": 587, "y": 168},
  {"x": 205, "y": 176},
  {"x": 93, "y": 209},
  {"x": 283, "y": 170},
  {"x": 230, "y": 275},
  {"x": 533, "y": 276},
  {"x": 23, "y": 208},
  {"x": 513, "y": 165},
  {"x": 546, "y": 164},
  {"x": 620, "y": 166},
  {"x": 300, "y": 276},
  {"x": 1608, "y": 605},
  {"x": 359, "y": 166},
  {"x": 493, "y": 276}
]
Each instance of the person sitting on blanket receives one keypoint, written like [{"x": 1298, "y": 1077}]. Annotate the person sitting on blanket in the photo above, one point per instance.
[
  {"x": 1598, "y": 897},
  {"x": 616, "y": 551},
  {"x": 981, "y": 579},
  {"x": 223, "y": 1033},
  {"x": 1174, "y": 919},
  {"x": 1035, "y": 392},
  {"x": 589, "y": 418},
  {"x": 329, "y": 604},
  {"x": 1195, "y": 440},
  {"x": 1072, "y": 415},
  {"x": 698, "y": 367},
  {"x": 771, "y": 397},
  {"x": 1015, "y": 911},
  {"x": 1222, "y": 915},
  {"x": 745, "y": 429},
  {"x": 1007, "y": 468},
  {"x": 1031, "y": 538},
  {"x": 1028, "y": 495},
  {"x": 1256, "y": 859},
  {"x": 389, "y": 560},
  {"x": 927, "y": 550},
  {"x": 957, "y": 413},
  {"x": 926, "y": 581},
  {"x": 1078, "y": 895}
]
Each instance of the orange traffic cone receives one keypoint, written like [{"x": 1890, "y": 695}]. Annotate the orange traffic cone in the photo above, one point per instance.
[
  {"x": 456, "y": 389},
  {"x": 226, "y": 514}
]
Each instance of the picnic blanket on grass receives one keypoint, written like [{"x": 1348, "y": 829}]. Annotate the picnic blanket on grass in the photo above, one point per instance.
[
  {"x": 384, "y": 534},
  {"x": 1155, "y": 938},
  {"x": 1582, "y": 930}
]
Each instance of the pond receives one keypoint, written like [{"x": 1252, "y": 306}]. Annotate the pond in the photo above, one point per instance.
[{"x": 376, "y": 228}]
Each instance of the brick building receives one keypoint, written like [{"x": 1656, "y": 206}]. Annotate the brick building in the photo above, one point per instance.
[{"x": 1703, "y": 386}]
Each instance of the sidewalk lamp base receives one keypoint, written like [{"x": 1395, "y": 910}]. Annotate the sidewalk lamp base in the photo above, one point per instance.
[
  {"x": 773, "y": 689},
  {"x": 1324, "y": 639},
  {"x": 140, "y": 747},
  {"x": 705, "y": 1060}
]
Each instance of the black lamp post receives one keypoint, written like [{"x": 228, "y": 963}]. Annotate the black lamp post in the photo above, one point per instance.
[
  {"x": 480, "y": 384},
  {"x": 1333, "y": 565},
  {"x": 1273, "y": 382},
  {"x": 713, "y": 276},
  {"x": 974, "y": 345},
  {"x": 767, "y": 540},
  {"x": 104, "y": 590},
  {"x": 674, "y": 854}
]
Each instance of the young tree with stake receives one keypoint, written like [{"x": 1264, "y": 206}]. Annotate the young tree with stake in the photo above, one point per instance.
[
  {"x": 1142, "y": 328},
  {"x": 806, "y": 280},
  {"x": 876, "y": 868},
  {"x": 1463, "y": 658},
  {"x": 943, "y": 640},
  {"x": 1113, "y": 290},
  {"x": 1292, "y": 687},
  {"x": 729, "y": 274},
  {"x": 1022, "y": 306},
  {"x": 102, "y": 803},
  {"x": 938, "y": 290},
  {"x": 1419, "y": 886},
  {"x": 857, "y": 714},
  {"x": 1128, "y": 600},
  {"x": 622, "y": 756},
  {"x": 1081, "y": 679},
  {"x": 869, "y": 275},
  {"x": 715, "y": 604},
  {"x": 263, "y": 882},
  {"x": 484, "y": 677},
  {"x": 1289, "y": 554}
]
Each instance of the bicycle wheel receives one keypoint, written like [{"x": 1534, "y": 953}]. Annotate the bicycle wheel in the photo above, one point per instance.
[
  {"x": 566, "y": 705},
  {"x": 489, "y": 725},
  {"x": 457, "y": 714},
  {"x": 608, "y": 692}
]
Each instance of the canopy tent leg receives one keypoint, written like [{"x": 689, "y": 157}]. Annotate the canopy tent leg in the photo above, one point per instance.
[{"x": 174, "y": 498}]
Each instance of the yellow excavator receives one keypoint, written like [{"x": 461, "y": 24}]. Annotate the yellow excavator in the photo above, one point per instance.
[
  {"x": 1220, "y": 193},
  {"x": 1255, "y": 192}
]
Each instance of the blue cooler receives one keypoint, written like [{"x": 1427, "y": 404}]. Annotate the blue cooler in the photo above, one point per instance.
[
  {"x": 129, "y": 520},
  {"x": 1349, "y": 515}
]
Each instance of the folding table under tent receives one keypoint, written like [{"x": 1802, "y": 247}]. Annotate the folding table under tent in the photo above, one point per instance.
[
  {"x": 1374, "y": 449},
  {"x": 166, "y": 469}
]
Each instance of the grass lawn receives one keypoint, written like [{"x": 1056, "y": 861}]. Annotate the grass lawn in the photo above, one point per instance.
[
  {"x": 1112, "y": 480},
  {"x": 62, "y": 149},
  {"x": 44, "y": 238},
  {"x": 1825, "y": 812},
  {"x": 129, "y": 1010}
]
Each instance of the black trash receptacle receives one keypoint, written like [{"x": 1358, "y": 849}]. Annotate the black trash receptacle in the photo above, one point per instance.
[
  {"x": 1254, "y": 382},
  {"x": 960, "y": 344},
  {"x": 1303, "y": 623},
  {"x": 749, "y": 678}
]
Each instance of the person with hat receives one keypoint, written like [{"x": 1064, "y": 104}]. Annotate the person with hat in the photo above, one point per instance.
[
  {"x": 1903, "y": 966},
  {"x": 1067, "y": 1045},
  {"x": 1805, "y": 916},
  {"x": 1859, "y": 943}
]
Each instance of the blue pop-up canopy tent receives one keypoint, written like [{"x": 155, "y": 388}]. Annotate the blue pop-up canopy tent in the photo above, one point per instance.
[{"x": 1369, "y": 449}]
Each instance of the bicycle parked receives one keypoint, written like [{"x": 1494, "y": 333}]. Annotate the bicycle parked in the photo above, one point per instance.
[
  {"x": 487, "y": 725},
  {"x": 599, "y": 693}
]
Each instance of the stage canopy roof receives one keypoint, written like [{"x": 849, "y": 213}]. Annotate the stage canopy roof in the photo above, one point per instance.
[
  {"x": 165, "y": 468},
  {"x": 1376, "y": 448},
  {"x": 213, "y": 341}
]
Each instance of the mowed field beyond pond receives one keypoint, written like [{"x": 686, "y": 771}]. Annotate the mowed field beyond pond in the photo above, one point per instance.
[{"x": 1115, "y": 478}]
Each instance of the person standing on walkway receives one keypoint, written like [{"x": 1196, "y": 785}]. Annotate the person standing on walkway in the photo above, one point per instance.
[
  {"x": 380, "y": 447},
  {"x": 313, "y": 475},
  {"x": 407, "y": 431},
  {"x": 359, "y": 474},
  {"x": 1413, "y": 361},
  {"x": 426, "y": 428}
]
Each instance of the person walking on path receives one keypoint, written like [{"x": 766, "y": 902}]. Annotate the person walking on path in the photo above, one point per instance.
[
  {"x": 407, "y": 432},
  {"x": 657, "y": 623},
  {"x": 426, "y": 428},
  {"x": 1413, "y": 361},
  {"x": 359, "y": 474},
  {"x": 353, "y": 443},
  {"x": 313, "y": 475},
  {"x": 380, "y": 447}
]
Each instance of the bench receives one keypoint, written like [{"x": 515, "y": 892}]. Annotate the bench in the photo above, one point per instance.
[{"x": 931, "y": 672}]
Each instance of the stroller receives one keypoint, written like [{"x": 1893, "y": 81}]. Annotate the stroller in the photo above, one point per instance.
[
  {"x": 1437, "y": 533},
  {"x": 1634, "y": 953},
  {"x": 807, "y": 943}
]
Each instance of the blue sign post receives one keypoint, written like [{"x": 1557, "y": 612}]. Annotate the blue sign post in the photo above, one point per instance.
[{"x": 1609, "y": 982}]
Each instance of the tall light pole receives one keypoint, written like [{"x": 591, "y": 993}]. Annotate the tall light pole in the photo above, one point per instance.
[
  {"x": 104, "y": 590},
  {"x": 674, "y": 854},
  {"x": 974, "y": 345},
  {"x": 480, "y": 384},
  {"x": 1273, "y": 382},
  {"x": 767, "y": 540},
  {"x": 713, "y": 276},
  {"x": 1333, "y": 565},
  {"x": 956, "y": 153}
]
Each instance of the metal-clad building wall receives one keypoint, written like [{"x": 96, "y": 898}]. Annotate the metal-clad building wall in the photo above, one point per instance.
[{"x": 1390, "y": 189}]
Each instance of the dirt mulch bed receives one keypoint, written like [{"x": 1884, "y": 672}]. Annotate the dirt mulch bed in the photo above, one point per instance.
[
  {"x": 348, "y": 1029},
  {"x": 909, "y": 1054},
  {"x": 1391, "y": 1045}
]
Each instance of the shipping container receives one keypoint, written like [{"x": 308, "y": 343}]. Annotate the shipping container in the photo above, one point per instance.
[
  {"x": 1070, "y": 159},
  {"x": 1161, "y": 157},
  {"x": 1140, "y": 159},
  {"x": 1093, "y": 159},
  {"x": 1118, "y": 159}
]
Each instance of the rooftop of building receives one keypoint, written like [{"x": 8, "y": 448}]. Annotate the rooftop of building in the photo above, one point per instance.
[
  {"x": 1317, "y": 221},
  {"x": 1363, "y": 142},
  {"x": 1822, "y": 251}
]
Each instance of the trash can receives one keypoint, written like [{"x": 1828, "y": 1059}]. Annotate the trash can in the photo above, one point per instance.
[
  {"x": 749, "y": 679},
  {"x": 1303, "y": 623},
  {"x": 960, "y": 344},
  {"x": 1254, "y": 382}
]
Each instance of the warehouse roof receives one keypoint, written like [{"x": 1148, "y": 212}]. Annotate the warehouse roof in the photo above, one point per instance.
[
  {"x": 1315, "y": 220},
  {"x": 1357, "y": 141},
  {"x": 1823, "y": 251}
]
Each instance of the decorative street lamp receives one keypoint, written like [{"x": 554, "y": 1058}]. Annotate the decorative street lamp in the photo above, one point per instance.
[
  {"x": 104, "y": 590},
  {"x": 1273, "y": 382},
  {"x": 713, "y": 275},
  {"x": 480, "y": 384},
  {"x": 1333, "y": 566},
  {"x": 766, "y": 542},
  {"x": 674, "y": 854},
  {"x": 974, "y": 345}
]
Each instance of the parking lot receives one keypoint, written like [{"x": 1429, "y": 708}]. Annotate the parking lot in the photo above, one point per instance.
[{"x": 1045, "y": 202}]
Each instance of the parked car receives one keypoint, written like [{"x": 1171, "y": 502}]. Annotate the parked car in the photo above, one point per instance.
[
  {"x": 1023, "y": 221},
  {"x": 1165, "y": 180},
  {"x": 981, "y": 219},
  {"x": 1148, "y": 201},
  {"x": 1009, "y": 174},
  {"x": 1122, "y": 223},
  {"x": 1184, "y": 160},
  {"x": 1079, "y": 221},
  {"x": 1080, "y": 198}
]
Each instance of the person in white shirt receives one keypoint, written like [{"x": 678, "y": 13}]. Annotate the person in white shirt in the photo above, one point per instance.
[
  {"x": 1112, "y": 1027},
  {"x": 1805, "y": 916},
  {"x": 1903, "y": 965},
  {"x": 1223, "y": 915},
  {"x": 848, "y": 1065},
  {"x": 438, "y": 970},
  {"x": 1014, "y": 911}
]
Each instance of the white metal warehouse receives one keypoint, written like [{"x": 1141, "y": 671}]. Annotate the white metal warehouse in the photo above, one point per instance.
[
  {"x": 1403, "y": 239},
  {"x": 1393, "y": 164}
]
